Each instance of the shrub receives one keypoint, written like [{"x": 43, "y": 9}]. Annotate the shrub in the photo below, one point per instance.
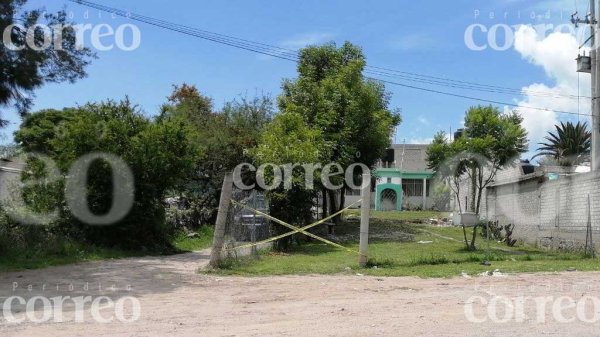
[{"x": 160, "y": 155}]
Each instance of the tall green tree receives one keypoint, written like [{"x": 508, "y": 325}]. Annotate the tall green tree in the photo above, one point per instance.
[
  {"x": 490, "y": 142},
  {"x": 333, "y": 96},
  {"x": 161, "y": 155},
  {"x": 38, "y": 129},
  {"x": 24, "y": 69},
  {"x": 223, "y": 138},
  {"x": 288, "y": 140},
  {"x": 569, "y": 145}
]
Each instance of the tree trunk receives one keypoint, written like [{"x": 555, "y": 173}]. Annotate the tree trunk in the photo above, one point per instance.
[
  {"x": 474, "y": 203},
  {"x": 473, "y": 189},
  {"x": 478, "y": 207},
  {"x": 342, "y": 202},
  {"x": 480, "y": 189},
  {"x": 465, "y": 235},
  {"x": 324, "y": 203},
  {"x": 472, "y": 247},
  {"x": 332, "y": 204}
]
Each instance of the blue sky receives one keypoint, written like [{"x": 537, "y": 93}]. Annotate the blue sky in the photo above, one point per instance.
[{"x": 425, "y": 37}]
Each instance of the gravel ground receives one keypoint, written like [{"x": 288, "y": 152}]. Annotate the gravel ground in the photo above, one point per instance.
[{"x": 175, "y": 300}]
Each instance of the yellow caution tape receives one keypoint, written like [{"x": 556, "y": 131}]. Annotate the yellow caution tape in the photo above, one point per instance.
[{"x": 296, "y": 229}]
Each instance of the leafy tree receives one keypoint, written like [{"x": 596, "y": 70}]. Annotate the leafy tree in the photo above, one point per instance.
[
  {"x": 332, "y": 95},
  {"x": 491, "y": 141},
  {"x": 187, "y": 102},
  {"x": 249, "y": 116},
  {"x": 223, "y": 139},
  {"x": 160, "y": 154},
  {"x": 330, "y": 113},
  {"x": 288, "y": 140},
  {"x": 27, "y": 69},
  {"x": 570, "y": 145},
  {"x": 38, "y": 129}
]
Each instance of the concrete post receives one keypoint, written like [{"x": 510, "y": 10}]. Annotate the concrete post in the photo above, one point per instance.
[
  {"x": 595, "y": 111},
  {"x": 424, "y": 194},
  {"x": 219, "y": 236},
  {"x": 595, "y": 91},
  {"x": 401, "y": 196},
  {"x": 365, "y": 208}
]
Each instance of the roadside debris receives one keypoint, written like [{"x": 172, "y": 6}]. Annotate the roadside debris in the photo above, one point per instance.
[{"x": 494, "y": 273}]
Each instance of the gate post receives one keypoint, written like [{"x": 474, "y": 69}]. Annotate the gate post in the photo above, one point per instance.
[
  {"x": 220, "y": 224},
  {"x": 365, "y": 207}
]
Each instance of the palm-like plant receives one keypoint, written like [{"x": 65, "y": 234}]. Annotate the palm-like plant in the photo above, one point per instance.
[{"x": 570, "y": 145}]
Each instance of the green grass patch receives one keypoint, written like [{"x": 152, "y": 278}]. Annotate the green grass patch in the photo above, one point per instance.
[
  {"x": 19, "y": 259},
  {"x": 186, "y": 243},
  {"x": 431, "y": 251},
  {"x": 63, "y": 251},
  {"x": 414, "y": 216}
]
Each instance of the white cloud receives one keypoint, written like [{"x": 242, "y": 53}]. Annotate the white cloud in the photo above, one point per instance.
[
  {"x": 297, "y": 42},
  {"x": 556, "y": 55},
  {"x": 414, "y": 42},
  {"x": 303, "y": 40},
  {"x": 423, "y": 120},
  {"x": 419, "y": 141},
  {"x": 423, "y": 140}
]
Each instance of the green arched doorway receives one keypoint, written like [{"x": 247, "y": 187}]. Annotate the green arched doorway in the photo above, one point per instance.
[{"x": 388, "y": 197}]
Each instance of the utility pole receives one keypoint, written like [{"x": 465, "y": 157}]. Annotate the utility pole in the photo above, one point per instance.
[
  {"x": 594, "y": 69},
  {"x": 595, "y": 89}
]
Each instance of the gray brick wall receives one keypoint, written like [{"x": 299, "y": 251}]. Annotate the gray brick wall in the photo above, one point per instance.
[
  {"x": 412, "y": 157},
  {"x": 550, "y": 213}
]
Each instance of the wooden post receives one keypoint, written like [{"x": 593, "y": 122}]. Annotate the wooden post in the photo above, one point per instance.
[
  {"x": 219, "y": 236},
  {"x": 365, "y": 208}
]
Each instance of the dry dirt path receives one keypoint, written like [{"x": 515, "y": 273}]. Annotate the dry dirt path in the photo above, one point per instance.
[{"x": 177, "y": 301}]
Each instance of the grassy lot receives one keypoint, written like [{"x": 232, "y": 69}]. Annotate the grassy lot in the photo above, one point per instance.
[
  {"x": 14, "y": 260},
  {"x": 184, "y": 243},
  {"x": 399, "y": 248},
  {"x": 67, "y": 252},
  {"x": 416, "y": 216}
]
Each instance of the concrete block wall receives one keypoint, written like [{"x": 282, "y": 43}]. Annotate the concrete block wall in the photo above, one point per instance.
[
  {"x": 515, "y": 203},
  {"x": 410, "y": 202},
  {"x": 549, "y": 213},
  {"x": 350, "y": 199}
]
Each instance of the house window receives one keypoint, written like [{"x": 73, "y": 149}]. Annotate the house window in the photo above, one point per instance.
[
  {"x": 414, "y": 187},
  {"x": 389, "y": 180},
  {"x": 350, "y": 191}
]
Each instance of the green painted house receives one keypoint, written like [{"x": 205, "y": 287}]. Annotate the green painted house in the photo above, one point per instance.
[
  {"x": 398, "y": 189},
  {"x": 403, "y": 180}
]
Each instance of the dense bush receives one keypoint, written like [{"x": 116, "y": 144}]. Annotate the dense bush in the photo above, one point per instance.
[
  {"x": 224, "y": 139},
  {"x": 160, "y": 155}
]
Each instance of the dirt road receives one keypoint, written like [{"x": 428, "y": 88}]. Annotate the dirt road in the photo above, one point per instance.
[{"x": 175, "y": 300}]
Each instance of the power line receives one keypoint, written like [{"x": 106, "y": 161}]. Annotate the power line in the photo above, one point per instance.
[
  {"x": 286, "y": 53},
  {"x": 476, "y": 98},
  {"x": 215, "y": 37},
  {"x": 471, "y": 87},
  {"x": 484, "y": 87},
  {"x": 292, "y": 55}
]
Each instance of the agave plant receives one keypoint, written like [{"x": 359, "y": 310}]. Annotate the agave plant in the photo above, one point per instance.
[{"x": 570, "y": 145}]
